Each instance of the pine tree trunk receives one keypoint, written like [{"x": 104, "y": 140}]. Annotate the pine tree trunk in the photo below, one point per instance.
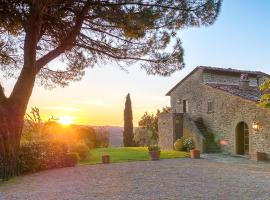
[{"x": 10, "y": 133}]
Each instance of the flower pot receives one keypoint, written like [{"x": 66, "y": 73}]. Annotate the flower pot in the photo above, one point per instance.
[
  {"x": 258, "y": 156},
  {"x": 154, "y": 155},
  {"x": 195, "y": 153},
  {"x": 105, "y": 159}
]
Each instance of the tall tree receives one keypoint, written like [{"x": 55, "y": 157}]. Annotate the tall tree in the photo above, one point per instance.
[
  {"x": 83, "y": 33},
  {"x": 128, "y": 123}
]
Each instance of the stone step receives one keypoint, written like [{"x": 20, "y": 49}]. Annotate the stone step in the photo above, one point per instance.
[
  {"x": 212, "y": 148},
  {"x": 213, "y": 151}
]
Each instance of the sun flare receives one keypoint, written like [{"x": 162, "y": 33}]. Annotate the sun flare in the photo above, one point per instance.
[{"x": 65, "y": 120}]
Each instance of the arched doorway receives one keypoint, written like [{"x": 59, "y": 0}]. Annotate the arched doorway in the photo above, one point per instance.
[{"x": 242, "y": 139}]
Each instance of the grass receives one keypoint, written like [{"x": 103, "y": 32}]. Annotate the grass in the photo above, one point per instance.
[{"x": 127, "y": 154}]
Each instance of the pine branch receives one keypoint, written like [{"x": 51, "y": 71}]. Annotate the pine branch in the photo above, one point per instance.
[{"x": 68, "y": 42}]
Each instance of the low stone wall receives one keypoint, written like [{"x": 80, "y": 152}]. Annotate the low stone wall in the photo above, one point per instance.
[{"x": 190, "y": 130}]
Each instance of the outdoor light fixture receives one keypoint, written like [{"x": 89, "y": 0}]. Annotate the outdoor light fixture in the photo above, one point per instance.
[
  {"x": 178, "y": 101},
  {"x": 255, "y": 126}
]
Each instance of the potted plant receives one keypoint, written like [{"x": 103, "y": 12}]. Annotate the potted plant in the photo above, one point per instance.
[
  {"x": 105, "y": 158},
  {"x": 154, "y": 152},
  {"x": 189, "y": 145},
  {"x": 195, "y": 153}
]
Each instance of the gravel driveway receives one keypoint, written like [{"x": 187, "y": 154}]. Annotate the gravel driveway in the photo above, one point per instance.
[{"x": 166, "y": 179}]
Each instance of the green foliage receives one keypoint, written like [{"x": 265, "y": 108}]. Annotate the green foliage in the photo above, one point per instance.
[
  {"x": 42, "y": 155},
  {"x": 147, "y": 133},
  {"x": 178, "y": 145},
  {"x": 34, "y": 128},
  {"x": 128, "y": 154},
  {"x": 265, "y": 98},
  {"x": 153, "y": 148},
  {"x": 144, "y": 137},
  {"x": 102, "y": 139},
  {"x": 188, "y": 143},
  {"x": 128, "y": 123},
  {"x": 72, "y": 159},
  {"x": 88, "y": 136},
  {"x": 86, "y": 33},
  {"x": 82, "y": 150}
]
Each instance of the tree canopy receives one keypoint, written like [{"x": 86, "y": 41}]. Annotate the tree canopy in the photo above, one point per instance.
[{"x": 84, "y": 33}]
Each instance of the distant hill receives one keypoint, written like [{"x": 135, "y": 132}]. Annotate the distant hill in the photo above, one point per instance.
[{"x": 116, "y": 134}]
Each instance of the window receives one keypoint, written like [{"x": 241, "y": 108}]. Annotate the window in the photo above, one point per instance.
[
  {"x": 185, "y": 106},
  {"x": 210, "y": 106}
]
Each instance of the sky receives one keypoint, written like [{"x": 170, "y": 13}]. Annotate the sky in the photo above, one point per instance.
[{"x": 240, "y": 38}]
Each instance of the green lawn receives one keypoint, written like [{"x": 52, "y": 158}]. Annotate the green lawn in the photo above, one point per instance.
[{"x": 127, "y": 154}]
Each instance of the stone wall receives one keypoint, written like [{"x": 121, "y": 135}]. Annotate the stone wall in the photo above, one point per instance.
[
  {"x": 188, "y": 90},
  {"x": 191, "y": 130},
  {"x": 229, "y": 110},
  {"x": 166, "y": 131},
  {"x": 225, "y": 79}
]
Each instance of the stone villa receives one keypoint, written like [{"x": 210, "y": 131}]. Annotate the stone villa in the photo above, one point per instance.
[{"x": 218, "y": 108}]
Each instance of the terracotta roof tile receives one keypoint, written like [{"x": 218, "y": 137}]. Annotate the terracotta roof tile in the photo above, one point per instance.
[{"x": 253, "y": 93}]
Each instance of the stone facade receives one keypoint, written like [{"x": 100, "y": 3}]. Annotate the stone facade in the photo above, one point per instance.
[
  {"x": 166, "y": 131},
  {"x": 190, "y": 130},
  {"x": 227, "y": 110},
  {"x": 169, "y": 130}
]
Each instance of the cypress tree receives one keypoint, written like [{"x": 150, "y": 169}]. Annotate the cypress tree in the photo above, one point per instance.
[{"x": 128, "y": 123}]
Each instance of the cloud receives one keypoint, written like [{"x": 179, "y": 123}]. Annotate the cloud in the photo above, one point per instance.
[
  {"x": 94, "y": 103},
  {"x": 62, "y": 108}
]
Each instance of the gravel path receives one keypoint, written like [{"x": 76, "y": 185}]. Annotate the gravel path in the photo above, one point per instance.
[{"x": 176, "y": 179}]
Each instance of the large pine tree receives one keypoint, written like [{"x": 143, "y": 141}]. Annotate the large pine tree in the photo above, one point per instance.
[
  {"x": 83, "y": 34},
  {"x": 128, "y": 123}
]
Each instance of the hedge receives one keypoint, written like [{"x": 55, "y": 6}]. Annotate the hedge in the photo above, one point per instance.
[{"x": 37, "y": 156}]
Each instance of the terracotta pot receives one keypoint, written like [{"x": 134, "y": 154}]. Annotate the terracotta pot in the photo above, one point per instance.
[
  {"x": 105, "y": 159},
  {"x": 258, "y": 156},
  {"x": 195, "y": 153},
  {"x": 154, "y": 155}
]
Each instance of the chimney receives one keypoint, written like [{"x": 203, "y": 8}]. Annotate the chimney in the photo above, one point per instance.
[{"x": 244, "y": 82}]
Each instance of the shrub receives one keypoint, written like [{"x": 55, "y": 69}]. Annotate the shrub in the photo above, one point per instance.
[
  {"x": 71, "y": 159},
  {"x": 188, "y": 144},
  {"x": 144, "y": 137},
  {"x": 80, "y": 148},
  {"x": 102, "y": 138},
  {"x": 153, "y": 148},
  {"x": 36, "y": 156},
  {"x": 178, "y": 145}
]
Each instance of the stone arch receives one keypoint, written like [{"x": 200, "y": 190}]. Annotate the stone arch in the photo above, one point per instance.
[{"x": 242, "y": 138}]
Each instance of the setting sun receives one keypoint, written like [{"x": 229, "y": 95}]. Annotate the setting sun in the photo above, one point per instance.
[{"x": 65, "y": 120}]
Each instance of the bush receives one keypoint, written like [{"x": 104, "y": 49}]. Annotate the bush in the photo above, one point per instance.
[
  {"x": 144, "y": 137},
  {"x": 72, "y": 159},
  {"x": 36, "y": 156},
  {"x": 102, "y": 138},
  {"x": 80, "y": 148},
  {"x": 153, "y": 148},
  {"x": 178, "y": 145},
  {"x": 188, "y": 144}
]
